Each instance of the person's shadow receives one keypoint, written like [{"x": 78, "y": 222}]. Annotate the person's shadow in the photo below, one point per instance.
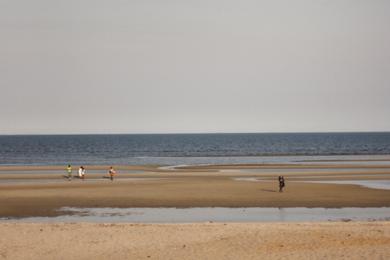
[
  {"x": 73, "y": 177},
  {"x": 267, "y": 190}
]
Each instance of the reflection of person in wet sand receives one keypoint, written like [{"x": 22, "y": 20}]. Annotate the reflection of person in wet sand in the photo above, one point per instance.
[
  {"x": 281, "y": 183},
  {"x": 82, "y": 172},
  {"x": 111, "y": 172}
]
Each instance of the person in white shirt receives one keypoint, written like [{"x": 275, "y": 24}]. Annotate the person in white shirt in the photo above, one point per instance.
[{"x": 82, "y": 172}]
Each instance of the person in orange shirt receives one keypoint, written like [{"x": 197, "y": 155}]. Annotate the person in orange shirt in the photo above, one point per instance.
[{"x": 111, "y": 172}]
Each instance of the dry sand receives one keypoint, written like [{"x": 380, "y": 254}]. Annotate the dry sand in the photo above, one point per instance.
[{"x": 353, "y": 240}]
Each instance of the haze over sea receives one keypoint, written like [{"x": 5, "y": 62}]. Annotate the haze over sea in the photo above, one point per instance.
[{"x": 175, "y": 149}]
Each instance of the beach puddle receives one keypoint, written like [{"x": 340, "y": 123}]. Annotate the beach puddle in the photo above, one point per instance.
[
  {"x": 251, "y": 179},
  {"x": 372, "y": 184},
  {"x": 311, "y": 170},
  {"x": 216, "y": 214}
]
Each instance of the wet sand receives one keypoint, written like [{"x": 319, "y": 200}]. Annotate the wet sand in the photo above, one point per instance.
[
  {"x": 338, "y": 240},
  {"x": 41, "y": 194}
]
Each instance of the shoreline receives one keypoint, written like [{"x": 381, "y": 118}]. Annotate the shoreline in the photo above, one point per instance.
[{"x": 264, "y": 159}]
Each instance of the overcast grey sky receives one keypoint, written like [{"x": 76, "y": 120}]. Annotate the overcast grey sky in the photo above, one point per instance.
[{"x": 150, "y": 66}]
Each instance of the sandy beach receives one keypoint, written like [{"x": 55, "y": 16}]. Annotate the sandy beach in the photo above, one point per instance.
[
  {"x": 36, "y": 191},
  {"x": 27, "y": 191},
  {"x": 353, "y": 240}
]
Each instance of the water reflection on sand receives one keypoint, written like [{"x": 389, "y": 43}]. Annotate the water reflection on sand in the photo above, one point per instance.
[
  {"x": 216, "y": 214},
  {"x": 373, "y": 184}
]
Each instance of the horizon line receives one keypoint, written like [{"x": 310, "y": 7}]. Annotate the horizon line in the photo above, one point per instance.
[{"x": 199, "y": 133}]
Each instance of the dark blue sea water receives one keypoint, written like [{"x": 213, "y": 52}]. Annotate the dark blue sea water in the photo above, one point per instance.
[{"x": 172, "y": 149}]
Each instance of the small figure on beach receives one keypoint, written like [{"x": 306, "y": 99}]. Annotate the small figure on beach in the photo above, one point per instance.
[
  {"x": 69, "y": 170},
  {"x": 111, "y": 172},
  {"x": 82, "y": 172},
  {"x": 281, "y": 183}
]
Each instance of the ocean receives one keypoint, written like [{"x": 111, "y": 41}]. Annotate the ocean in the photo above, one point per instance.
[{"x": 188, "y": 149}]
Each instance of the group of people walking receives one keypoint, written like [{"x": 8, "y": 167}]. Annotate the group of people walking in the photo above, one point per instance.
[{"x": 81, "y": 173}]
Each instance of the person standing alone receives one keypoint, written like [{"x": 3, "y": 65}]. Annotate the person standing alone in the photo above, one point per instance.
[{"x": 281, "y": 183}]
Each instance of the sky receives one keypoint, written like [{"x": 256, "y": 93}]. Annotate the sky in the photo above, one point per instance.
[{"x": 194, "y": 66}]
